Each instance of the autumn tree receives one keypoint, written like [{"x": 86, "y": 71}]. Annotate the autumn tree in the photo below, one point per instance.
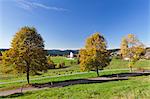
[
  {"x": 26, "y": 54},
  {"x": 131, "y": 48},
  {"x": 94, "y": 55}
]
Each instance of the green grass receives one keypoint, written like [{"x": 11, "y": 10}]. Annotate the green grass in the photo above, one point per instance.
[
  {"x": 60, "y": 59},
  {"x": 143, "y": 64},
  {"x": 134, "y": 88},
  {"x": 118, "y": 63}
]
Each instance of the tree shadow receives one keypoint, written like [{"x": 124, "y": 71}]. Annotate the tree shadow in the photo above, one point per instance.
[
  {"x": 12, "y": 95},
  {"x": 74, "y": 82},
  {"x": 101, "y": 79},
  {"x": 15, "y": 95},
  {"x": 132, "y": 74}
]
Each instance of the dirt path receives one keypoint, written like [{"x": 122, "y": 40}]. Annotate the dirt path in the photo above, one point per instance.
[{"x": 102, "y": 79}]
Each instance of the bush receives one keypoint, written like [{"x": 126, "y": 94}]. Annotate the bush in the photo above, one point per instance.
[
  {"x": 0, "y": 58},
  {"x": 71, "y": 62},
  {"x": 61, "y": 65},
  {"x": 51, "y": 64},
  {"x": 141, "y": 69},
  {"x": 78, "y": 61},
  {"x": 117, "y": 57}
]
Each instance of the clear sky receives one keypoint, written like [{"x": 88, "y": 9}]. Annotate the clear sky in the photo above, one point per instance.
[{"x": 65, "y": 24}]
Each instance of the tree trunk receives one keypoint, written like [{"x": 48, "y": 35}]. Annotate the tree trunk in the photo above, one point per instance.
[
  {"x": 28, "y": 74},
  {"x": 130, "y": 65},
  {"x": 97, "y": 71},
  {"x": 27, "y": 71},
  {"x": 131, "y": 69}
]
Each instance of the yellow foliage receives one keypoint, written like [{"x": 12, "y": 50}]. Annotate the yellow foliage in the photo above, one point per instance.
[
  {"x": 94, "y": 55},
  {"x": 132, "y": 48},
  {"x": 27, "y": 50}
]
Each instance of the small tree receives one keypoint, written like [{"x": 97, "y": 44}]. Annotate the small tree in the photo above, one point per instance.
[
  {"x": 27, "y": 53},
  {"x": 131, "y": 48},
  {"x": 94, "y": 55}
]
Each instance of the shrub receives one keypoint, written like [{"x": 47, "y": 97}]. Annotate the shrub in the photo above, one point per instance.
[
  {"x": 51, "y": 64},
  {"x": 0, "y": 58},
  {"x": 117, "y": 56},
  {"x": 61, "y": 65},
  {"x": 141, "y": 69},
  {"x": 71, "y": 62}
]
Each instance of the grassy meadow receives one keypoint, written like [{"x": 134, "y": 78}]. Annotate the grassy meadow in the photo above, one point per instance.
[{"x": 134, "y": 87}]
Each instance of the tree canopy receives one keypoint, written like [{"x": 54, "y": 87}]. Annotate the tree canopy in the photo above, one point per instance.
[
  {"x": 131, "y": 48},
  {"x": 94, "y": 55},
  {"x": 26, "y": 54}
]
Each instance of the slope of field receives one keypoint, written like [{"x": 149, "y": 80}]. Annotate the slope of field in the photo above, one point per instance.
[{"x": 134, "y": 88}]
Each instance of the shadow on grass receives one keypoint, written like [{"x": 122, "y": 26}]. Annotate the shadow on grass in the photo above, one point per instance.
[
  {"x": 15, "y": 95},
  {"x": 101, "y": 79},
  {"x": 12, "y": 95},
  {"x": 132, "y": 74},
  {"x": 73, "y": 82}
]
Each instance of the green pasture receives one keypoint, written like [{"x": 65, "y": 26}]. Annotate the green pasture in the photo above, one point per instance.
[{"x": 70, "y": 70}]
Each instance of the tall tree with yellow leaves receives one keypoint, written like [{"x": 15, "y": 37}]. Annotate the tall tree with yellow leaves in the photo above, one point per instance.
[
  {"x": 94, "y": 55},
  {"x": 26, "y": 54},
  {"x": 131, "y": 48}
]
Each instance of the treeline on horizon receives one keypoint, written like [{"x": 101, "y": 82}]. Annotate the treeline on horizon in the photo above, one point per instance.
[
  {"x": 57, "y": 52},
  {"x": 54, "y": 52}
]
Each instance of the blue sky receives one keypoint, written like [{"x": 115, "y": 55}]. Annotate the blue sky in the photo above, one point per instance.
[{"x": 65, "y": 24}]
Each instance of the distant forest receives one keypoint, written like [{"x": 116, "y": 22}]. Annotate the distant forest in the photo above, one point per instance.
[
  {"x": 66, "y": 52},
  {"x": 54, "y": 52}
]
